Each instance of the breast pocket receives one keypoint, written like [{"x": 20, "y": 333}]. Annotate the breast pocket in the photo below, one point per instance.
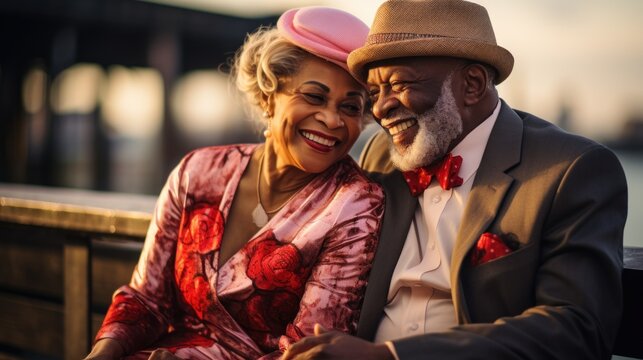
[{"x": 502, "y": 287}]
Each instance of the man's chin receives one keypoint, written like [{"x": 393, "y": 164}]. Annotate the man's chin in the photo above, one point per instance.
[
  {"x": 404, "y": 139},
  {"x": 399, "y": 157},
  {"x": 413, "y": 156},
  {"x": 399, "y": 150}
]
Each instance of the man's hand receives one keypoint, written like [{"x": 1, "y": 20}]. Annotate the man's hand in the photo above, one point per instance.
[
  {"x": 163, "y": 355},
  {"x": 335, "y": 345}
]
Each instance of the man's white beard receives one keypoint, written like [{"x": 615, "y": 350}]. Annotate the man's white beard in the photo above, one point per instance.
[{"x": 438, "y": 127}]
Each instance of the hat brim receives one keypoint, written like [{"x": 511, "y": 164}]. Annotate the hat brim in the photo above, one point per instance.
[{"x": 494, "y": 55}]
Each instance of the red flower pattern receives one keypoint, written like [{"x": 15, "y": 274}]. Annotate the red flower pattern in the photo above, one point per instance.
[
  {"x": 279, "y": 276},
  {"x": 197, "y": 294},
  {"x": 185, "y": 339},
  {"x": 274, "y": 265},
  {"x": 202, "y": 228},
  {"x": 200, "y": 236},
  {"x": 126, "y": 309},
  {"x": 265, "y": 316}
]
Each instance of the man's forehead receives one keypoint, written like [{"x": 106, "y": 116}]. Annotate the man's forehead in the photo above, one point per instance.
[
  {"x": 417, "y": 65},
  {"x": 402, "y": 62},
  {"x": 383, "y": 69}
]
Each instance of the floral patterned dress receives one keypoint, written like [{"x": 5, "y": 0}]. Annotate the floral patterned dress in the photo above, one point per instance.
[{"x": 309, "y": 264}]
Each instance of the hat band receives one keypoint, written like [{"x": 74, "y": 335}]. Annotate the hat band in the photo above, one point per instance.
[{"x": 382, "y": 38}]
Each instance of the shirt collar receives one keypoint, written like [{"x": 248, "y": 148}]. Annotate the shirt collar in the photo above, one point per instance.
[{"x": 472, "y": 146}]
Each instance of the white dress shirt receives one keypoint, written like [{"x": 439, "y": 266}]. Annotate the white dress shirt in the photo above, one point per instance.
[{"x": 419, "y": 297}]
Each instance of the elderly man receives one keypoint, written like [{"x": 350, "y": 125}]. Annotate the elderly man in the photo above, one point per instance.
[{"x": 515, "y": 250}]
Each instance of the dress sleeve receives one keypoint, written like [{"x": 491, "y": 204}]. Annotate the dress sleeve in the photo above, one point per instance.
[
  {"x": 334, "y": 291},
  {"x": 140, "y": 312}
]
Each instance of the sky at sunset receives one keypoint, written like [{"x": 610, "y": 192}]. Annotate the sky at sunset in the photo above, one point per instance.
[{"x": 586, "y": 54}]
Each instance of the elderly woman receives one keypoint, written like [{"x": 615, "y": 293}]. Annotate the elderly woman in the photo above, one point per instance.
[{"x": 252, "y": 245}]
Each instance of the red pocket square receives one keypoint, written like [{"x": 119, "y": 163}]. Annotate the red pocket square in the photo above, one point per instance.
[{"x": 489, "y": 247}]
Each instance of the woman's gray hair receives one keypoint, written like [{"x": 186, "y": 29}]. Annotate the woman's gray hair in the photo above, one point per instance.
[
  {"x": 264, "y": 61},
  {"x": 262, "y": 64}
]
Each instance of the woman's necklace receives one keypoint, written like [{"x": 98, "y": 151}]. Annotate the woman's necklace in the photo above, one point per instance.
[{"x": 260, "y": 214}]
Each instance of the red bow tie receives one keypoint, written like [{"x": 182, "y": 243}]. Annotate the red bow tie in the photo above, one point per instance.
[{"x": 446, "y": 170}]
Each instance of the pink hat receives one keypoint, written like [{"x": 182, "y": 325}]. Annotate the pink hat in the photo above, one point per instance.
[{"x": 326, "y": 32}]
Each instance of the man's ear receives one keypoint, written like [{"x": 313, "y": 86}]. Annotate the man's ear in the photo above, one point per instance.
[{"x": 476, "y": 79}]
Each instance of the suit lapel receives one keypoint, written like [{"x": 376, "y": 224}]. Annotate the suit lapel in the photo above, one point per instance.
[
  {"x": 400, "y": 208},
  {"x": 491, "y": 183},
  {"x": 489, "y": 188}
]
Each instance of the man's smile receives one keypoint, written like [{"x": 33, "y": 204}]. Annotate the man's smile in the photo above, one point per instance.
[{"x": 400, "y": 126}]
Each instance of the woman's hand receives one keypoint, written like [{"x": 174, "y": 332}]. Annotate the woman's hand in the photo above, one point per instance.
[{"x": 106, "y": 349}]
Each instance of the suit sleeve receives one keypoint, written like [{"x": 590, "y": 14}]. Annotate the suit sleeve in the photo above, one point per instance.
[
  {"x": 578, "y": 291},
  {"x": 375, "y": 156},
  {"x": 366, "y": 150}
]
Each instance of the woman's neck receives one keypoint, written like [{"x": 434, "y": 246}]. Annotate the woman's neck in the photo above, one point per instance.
[{"x": 278, "y": 183}]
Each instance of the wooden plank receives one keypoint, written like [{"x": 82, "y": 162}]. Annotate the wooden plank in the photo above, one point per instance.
[
  {"x": 97, "y": 321},
  {"x": 633, "y": 258},
  {"x": 104, "y": 287},
  {"x": 31, "y": 261},
  {"x": 77, "y": 300},
  {"x": 113, "y": 261},
  {"x": 5, "y": 356},
  {"x": 78, "y": 210},
  {"x": 85, "y": 198},
  {"x": 629, "y": 341},
  {"x": 73, "y": 217},
  {"x": 31, "y": 324}
]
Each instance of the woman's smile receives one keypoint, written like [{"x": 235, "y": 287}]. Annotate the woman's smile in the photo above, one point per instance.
[{"x": 319, "y": 141}]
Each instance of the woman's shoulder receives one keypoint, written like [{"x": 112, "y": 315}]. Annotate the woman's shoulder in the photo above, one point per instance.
[
  {"x": 218, "y": 155},
  {"x": 240, "y": 150},
  {"x": 352, "y": 178},
  {"x": 355, "y": 195}
]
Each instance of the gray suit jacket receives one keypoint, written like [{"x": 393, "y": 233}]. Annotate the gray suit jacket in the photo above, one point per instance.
[{"x": 558, "y": 296}]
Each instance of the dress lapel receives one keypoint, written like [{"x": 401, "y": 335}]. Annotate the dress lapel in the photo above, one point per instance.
[{"x": 503, "y": 151}]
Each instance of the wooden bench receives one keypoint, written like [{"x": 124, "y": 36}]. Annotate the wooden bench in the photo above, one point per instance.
[
  {"x": 630, "y": 336},
  {"x": 63, "y": 253}
]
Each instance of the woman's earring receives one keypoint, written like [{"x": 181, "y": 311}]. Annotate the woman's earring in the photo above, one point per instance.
[{"x": 266, "y": 115}]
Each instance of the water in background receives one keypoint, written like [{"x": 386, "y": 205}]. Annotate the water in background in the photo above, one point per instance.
[{"x": 633, "y": 165}]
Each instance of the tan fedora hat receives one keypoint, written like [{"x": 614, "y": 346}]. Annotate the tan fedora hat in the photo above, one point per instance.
[{"x": 453, "y": 28}]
